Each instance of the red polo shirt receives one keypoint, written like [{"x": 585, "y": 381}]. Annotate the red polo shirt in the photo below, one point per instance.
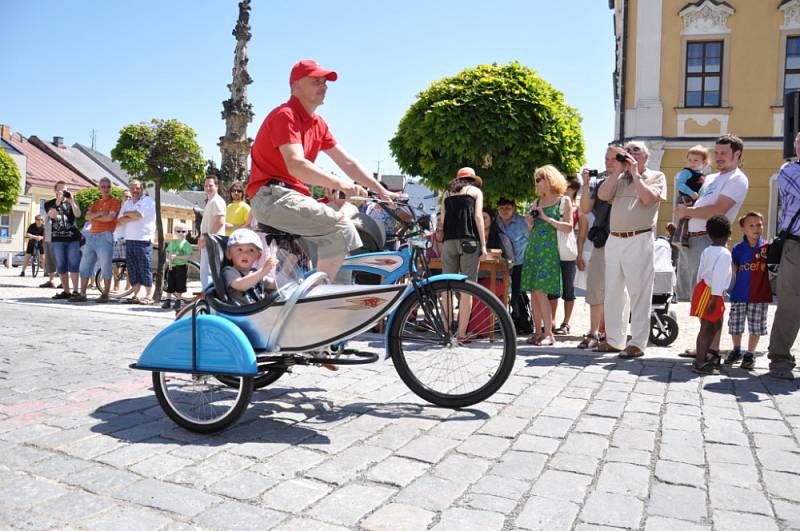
[{"x": 289, "y": 123}]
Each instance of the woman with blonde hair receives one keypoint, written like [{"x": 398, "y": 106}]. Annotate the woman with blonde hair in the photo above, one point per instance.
[{"x": 541, "y": 272}]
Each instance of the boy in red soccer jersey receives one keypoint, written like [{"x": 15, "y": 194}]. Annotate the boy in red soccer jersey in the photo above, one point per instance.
[{"x": 713, "y": 278}]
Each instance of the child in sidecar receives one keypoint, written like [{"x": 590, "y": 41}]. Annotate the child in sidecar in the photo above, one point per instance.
[{"x": 244, "y": 283}]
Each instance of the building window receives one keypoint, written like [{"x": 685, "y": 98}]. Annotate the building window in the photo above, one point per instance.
[
  {"x": 170, "y": 225},
  {"x": 703, "y": 74},
  {"x": 5, "y": 227},
  {"x": 791, "y": 73}
]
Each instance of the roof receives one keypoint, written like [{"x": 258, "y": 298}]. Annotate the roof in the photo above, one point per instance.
[
  {"x": 193, "y": 197},
  {"x": 78, "y": 161},
  {"x": 105, "y": 161},
  {"x": 8, "y": 147},
  {"x": 173, "y": 199},
  {"x": 44, "y": 170}
]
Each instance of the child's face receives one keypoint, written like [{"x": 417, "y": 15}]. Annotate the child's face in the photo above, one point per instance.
[
  {"x": 753, "y": 227},
  {"x": 695, "y": 162},
  {"x": 243, "y": 256},
  {"x": 180, "y": 234}
]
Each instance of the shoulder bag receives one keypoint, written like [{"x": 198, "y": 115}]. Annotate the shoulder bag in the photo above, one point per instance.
[
  {"x": 775, "y": 247},
  {"x": 567, "y": 243}
]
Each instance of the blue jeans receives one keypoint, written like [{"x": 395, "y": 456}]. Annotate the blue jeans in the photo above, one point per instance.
[
  {"x": 68, "y": 256},
  {"x": 99, "y": 249}
]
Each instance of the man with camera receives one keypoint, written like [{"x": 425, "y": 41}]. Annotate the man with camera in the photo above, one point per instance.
[
  {"x": 598, "y": 234},
  {"x": 66, "y": 238},
  {"x": 787, "y": 316},
  {"x": 635, "y": 195}
]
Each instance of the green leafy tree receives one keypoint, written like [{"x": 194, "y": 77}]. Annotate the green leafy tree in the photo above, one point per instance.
[
  {"x": 9, "y": 182},
  {"x": 165, "y": 153},
  {"x": 503, "y": 120},
  {"x": 87, "y": 196}
]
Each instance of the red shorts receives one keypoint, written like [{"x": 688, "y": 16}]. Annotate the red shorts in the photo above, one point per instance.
[{"x": 701, "y": 300}]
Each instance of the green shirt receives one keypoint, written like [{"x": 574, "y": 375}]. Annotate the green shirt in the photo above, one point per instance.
[{"x": 182, "y": 249}]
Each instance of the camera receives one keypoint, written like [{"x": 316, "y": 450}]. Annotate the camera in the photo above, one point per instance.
[
  {"x": 66, "y": 194},
  {"x": 622, "y": 158},
  {"x": 341, "y": 195},
  {"x": 592, "y": 173},
  {"x": 534, "y": 213}
]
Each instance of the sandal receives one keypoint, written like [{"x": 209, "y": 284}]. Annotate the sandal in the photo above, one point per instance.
[
  {"x": 146, "y": 301},
  {"x": 562, "y": 330},
  {"x": 132, "y": 300},
  {"x": 589, "y": 341},
  {"x": 533, "y": 339},
  {"x": 710, "y": 367},
  {"x": 546, "y": 341}
]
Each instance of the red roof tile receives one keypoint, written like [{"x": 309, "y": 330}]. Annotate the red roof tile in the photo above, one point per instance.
[{"x": 44, "y": 170}]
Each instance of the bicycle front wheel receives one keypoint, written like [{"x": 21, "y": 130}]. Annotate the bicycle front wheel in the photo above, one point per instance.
[
  {"x": 199, "y": 402},
  {"x": 35, "y": 263},
  {"x": 453, "y": 343}
]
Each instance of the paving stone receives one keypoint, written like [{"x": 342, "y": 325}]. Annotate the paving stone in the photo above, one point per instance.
[
  {"x": 779, "y": 460},
  {"x": 550, "y": 427},
  {"x": 102, "y": 479},
  {"x": 398, "y": 517},
  {"x": 612, "y": 509},
  {"x": 461, "y": 468},
  {"x": 586, "y": 444},
  {"x": 770, "y": 427},
  {"x": 567, "y": 408},
  {"x": 605, "y": 408},
  {"x": 745, "y": 476},
  {"x": 290, "y": 462},
  {"x": 635, "y": 457},
  {"x": 469, "y": 520},
  {"x": 504, "y": 426},
  {"x": 630, "y": 438},
  {"x": 729, "y": 497},
  {"x": 243, "y": 485},
  {"x": 675, "y": 501},
  {"x": 294, "y": 495},
  {"x": 694, "y": 455},
  {"x": 308, "y": 524},
  {"x": 640, "y": 421},
  {"x": 487, "y": 502},
  {"x": 346, "y": 506},
  {"x": 397, "y": 471},
  {"x": 536, "y": 443},
  {"x": 167, "y": 497},
  {"x": 499, "y": 486},
  {"x": 75, "y": 505},
  {"x": 547, "y": 514},
  {"x": 723, "y": 453},
  {"x": 596, "y": 425},
  {"x": 484, "y": 446},
  {"x": 211, "y": 470},
  {"x": 659, "y": 523},
  {"x": 788, "y": 513},
  {"x": 348, "y": 464},
  {"x": 520, "y": 465},
  {"x": 641, "y": 406},
  {"x": 718, "y": 435},
  {"x": 160, "y": 466},
  {"x": 236, "y": 515},
  {"x": 680, "y": 423},
  {"x": 775, "y": 442},
  {"x": 624, "y": 478},
  {"x": 581, "y": 464},
  {"x": 561, "y": 486},
  {"x": 676, "y": 473},
  {"x": 121, "y": 518},
  {"x": 733, "y": 520},
  {"x": 782, "y": 485},
  {"x": 58, "y": 467},
  {"x": 427, "y": 448}
]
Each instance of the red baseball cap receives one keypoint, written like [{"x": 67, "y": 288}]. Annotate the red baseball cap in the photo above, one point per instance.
[{"x": 309, "y": 67}]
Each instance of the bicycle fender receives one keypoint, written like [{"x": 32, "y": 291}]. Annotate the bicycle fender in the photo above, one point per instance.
[
  {"x": 221, "y": 347},
  {"x": 435, "y": 278}
]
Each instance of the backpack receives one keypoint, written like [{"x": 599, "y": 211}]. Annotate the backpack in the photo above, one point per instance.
[{"x": 521, "y": 313}]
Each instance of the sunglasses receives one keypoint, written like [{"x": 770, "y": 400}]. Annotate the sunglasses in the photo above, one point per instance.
[
  {"x": 236, "y": 191},
  {"x": 181, "y": 231},
  {"x": 539, "y": 179}
]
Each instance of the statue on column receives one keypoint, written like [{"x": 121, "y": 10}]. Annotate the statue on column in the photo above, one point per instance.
[{"x": 236, "y": 111}]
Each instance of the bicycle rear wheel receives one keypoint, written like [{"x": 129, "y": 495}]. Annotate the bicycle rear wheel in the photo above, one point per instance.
[
  {"x": 435, "y": 362},
  {"x": 119, "y": 280}
]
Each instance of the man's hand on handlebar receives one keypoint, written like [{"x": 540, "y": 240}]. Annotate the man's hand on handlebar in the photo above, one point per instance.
[{"x": 352, "y": 189}]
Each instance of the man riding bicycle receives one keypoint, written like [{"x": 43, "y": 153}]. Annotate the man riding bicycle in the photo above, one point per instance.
[
  {"x": 282, "y": 169},
  {"x": 35, "y": 236}
]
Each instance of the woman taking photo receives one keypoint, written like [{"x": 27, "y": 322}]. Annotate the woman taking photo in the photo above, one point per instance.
[
  {"x": 541, "y": 273},
  {"x": 464, "y": 241}
]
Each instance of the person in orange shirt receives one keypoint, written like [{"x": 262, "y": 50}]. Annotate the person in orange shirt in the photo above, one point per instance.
[{"x": 99, "y": 246}]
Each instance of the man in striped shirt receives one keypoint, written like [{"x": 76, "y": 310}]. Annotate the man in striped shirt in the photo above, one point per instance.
[{"x": 787, "y": 316}]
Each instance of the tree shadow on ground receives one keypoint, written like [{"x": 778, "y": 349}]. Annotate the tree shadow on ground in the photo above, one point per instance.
[{"x": 746, "y": 386}]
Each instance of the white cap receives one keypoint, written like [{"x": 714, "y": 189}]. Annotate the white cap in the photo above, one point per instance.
[{"x": 243, "y": 237}]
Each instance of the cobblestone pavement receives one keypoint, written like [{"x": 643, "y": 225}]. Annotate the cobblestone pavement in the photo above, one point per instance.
[{"x": 574, "y": 440}]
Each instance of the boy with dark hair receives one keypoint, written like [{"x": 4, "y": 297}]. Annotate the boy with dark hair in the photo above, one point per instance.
[
  {"x": 751, "y": 293},
  {"x": 713, "y": 277}
]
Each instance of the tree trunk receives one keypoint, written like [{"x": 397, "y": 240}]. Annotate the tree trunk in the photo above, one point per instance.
[{"x": 161, "y": 244}]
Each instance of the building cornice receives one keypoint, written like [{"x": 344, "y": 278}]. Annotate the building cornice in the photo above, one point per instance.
[
  {"x": 791, "y": 14},
  {"x": 706, "y": 17}
]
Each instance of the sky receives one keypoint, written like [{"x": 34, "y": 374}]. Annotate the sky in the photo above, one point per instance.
[{"x": 72, "y": 67}]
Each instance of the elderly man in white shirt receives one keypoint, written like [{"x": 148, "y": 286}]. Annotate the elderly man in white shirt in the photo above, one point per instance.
[{"x": 137, "y": 223}]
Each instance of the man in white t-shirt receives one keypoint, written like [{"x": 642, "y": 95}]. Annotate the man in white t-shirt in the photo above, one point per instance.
[
  {"x": 213, "y": 223},
  {"x": 722, "y": 193},
  {"x": 137, "y": 225}
]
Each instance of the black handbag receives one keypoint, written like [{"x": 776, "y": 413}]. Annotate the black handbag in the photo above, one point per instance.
[
  {"x": 775, "y": 247},
  {"x": 598, "y": 236},
  {"x": 469, "y": 246}
]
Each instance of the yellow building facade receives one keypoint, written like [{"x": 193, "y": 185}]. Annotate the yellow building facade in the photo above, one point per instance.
[{"x": 687, "y": 73}]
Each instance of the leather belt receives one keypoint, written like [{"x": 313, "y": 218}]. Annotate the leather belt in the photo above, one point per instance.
[
  {"x": 630, "y": 233},
  {"x": 700, "y": 233}
]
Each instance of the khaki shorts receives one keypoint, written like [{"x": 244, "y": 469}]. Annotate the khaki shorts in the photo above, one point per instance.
[
  {"x": 596, "y": 277},
  {"x": 454, "y": 260},
  {"x": 295, "y": 213}
]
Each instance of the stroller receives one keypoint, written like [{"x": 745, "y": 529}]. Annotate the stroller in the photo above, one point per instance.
[{"x": 663, "y": 324}]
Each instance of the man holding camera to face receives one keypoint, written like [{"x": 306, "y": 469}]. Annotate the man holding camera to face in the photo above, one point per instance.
[
  {"x": 635, "y": 195},
  {"x": 62, "y": 211}
]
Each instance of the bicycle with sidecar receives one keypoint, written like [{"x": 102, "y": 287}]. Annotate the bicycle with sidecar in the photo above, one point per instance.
[{"x": 206, "y": 365}]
